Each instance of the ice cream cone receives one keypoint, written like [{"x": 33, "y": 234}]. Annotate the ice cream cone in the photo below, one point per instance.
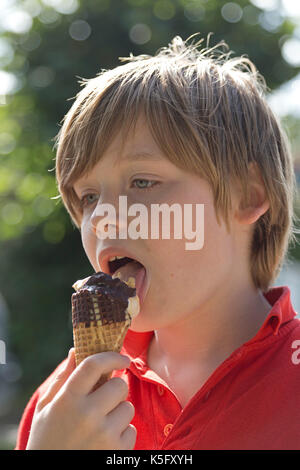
[{"x": 102, "y": 310}]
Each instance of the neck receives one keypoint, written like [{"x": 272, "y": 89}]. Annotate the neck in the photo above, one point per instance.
[{"x": 209, "y": 336}]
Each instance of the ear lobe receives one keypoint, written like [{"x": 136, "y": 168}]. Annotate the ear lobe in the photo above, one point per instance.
[{"x": 250, "y": 211}]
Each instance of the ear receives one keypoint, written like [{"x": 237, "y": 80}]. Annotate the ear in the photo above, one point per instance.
[{"x": 257, "y": 203}]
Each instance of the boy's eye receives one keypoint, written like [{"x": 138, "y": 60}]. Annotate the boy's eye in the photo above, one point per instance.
[
  {"x": 140, "y": 183},
  {"x": 88, "y": 199},
  {"x": 144, "y": 184}
]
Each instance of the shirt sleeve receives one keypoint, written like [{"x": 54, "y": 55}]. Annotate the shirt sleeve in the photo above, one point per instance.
[{"x": 25, "y": 423}]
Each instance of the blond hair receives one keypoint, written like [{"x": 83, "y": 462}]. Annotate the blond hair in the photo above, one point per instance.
[{"x": 208, "y": 114}]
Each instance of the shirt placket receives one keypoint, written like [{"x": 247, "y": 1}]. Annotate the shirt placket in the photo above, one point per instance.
[
  {"x": 162, "y": 397},
  {"x": 165, "y": 431},
  {"x": 200, "y": 399}
]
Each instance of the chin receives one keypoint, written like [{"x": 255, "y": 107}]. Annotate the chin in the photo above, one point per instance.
[
  {"x": 145, "y": 321},
  {"x": 140, "y": 325}
]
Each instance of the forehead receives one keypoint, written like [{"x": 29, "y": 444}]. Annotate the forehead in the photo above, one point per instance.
[{"x": 133, "y": 144}]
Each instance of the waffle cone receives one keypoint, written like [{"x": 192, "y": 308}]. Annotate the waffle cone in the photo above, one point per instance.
[
  {"x": 101, "y": 318},
  {"x": 98, "y": 338}
]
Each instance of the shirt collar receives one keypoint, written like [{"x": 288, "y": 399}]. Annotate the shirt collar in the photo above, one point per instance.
[
  {"x": 136, "y": 344},
  {"x": 281, "y": 312}
]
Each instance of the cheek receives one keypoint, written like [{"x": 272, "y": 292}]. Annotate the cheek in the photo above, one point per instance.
[
  {"x": 89, "y": 244},
  {"x": 213, "y": 264},
  {"x": 173, "y": 268},
  {"x": 186, "y": 269}
]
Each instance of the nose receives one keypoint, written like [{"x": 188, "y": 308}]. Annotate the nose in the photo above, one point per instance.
[
  {"x": 103, "y": 216},
  {"x": 107, "y": 219}
]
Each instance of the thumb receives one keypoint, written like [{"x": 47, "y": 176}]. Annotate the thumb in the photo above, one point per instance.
[{"x": 59, "y": 380}]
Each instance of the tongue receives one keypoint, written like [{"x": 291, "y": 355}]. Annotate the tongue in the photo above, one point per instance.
[{"x": 134, "y": 270}]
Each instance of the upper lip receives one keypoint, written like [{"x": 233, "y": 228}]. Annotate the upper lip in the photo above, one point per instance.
[{"x": 110, "y": 251}]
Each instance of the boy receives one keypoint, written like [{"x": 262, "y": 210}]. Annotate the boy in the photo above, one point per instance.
[{"x": 211, "y": 360}]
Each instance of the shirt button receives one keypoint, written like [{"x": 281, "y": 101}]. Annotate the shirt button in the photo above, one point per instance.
[
  {"x": 160, "y": 390},
  {"x": 167, "y": 429}
]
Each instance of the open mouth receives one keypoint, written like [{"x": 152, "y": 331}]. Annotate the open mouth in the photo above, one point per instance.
[
  {"x": 129, "y": 270},
  {"x": 118, "y": 263}
]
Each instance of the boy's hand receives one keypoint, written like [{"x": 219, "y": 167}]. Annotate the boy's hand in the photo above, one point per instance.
[{"x": 70, "y": 416}]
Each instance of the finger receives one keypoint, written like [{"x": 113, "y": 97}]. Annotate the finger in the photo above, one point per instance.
[
  {"x": 109, "y": 395},
  {"x": 87, "y": 374},
  {"x": 62, "y": 375},
  {"x": 120, "y": 417},
  {"x": 128, "y": 438}
]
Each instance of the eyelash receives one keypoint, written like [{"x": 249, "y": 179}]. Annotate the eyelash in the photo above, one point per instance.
[
  {"x": 83, "y": 200},
  {"x": 148, "y": 181}
]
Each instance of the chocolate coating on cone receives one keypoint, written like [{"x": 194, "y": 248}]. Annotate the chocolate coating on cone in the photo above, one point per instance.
[{"x": 101, "y": 298}]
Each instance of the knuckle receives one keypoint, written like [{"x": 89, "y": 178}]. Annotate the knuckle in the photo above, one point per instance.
[
  {"x": 122, "y": 385},
  {"x": 62, "y": 401},
  {"x": 61, "y": 375},
  {"x": 42, "y": 402},
  {"x": 90, "y": 363}
]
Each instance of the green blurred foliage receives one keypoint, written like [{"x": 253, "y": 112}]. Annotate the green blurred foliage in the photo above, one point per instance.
[{"x": 41, "y": 254}]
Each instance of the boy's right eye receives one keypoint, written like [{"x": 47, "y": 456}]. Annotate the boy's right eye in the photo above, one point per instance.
[{"x": 88, "y": 199}]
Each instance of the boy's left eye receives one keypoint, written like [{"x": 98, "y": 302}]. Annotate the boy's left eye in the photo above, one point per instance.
[{"x": 144, "y": 184}]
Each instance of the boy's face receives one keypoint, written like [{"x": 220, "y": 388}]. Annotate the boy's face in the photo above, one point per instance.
[{"x": 179, "y": 282}]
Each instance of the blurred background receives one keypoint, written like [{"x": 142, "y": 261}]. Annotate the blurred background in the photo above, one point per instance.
[{"x": 45, "y": 47}]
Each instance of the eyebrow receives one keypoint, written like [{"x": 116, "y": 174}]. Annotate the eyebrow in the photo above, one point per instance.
[
  {"x": 141, "y": 156},
  {"x": 133, "y": 157}
]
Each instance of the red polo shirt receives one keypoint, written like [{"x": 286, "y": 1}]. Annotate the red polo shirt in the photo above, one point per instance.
[{"x": 251, "y": 401}]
